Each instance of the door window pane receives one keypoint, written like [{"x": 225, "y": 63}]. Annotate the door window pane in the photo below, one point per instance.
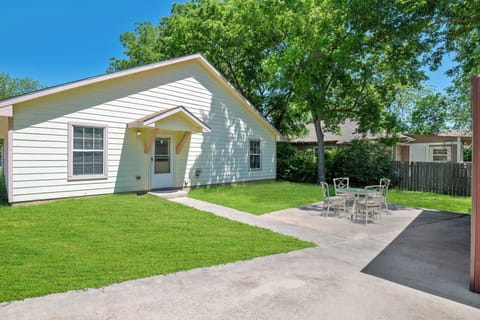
[{"x": 162, "y": 155}]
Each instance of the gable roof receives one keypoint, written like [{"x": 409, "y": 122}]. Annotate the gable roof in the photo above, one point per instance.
[
  {"x": 199, "y": 58},
  {"x": 157, "y": 116}
]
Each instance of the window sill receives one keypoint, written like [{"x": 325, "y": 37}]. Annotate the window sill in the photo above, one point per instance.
[{"x": 77, "y": 178}]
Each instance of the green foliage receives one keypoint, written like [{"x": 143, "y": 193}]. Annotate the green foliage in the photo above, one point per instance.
[
  {"x": 330, "y": 156},
  {"x": 430, "y": 115},
  {"x": 467, "y": 153},
  {"x": 364, "y": 162},
  {"x": 236, "y": 36},
  {"x": 296, "y": 165},
  {"x": 459, "y": 36},
  {"x": 306, "y": 60},
  {"x": 93, "y": 242},
  {"x": 423, "y": 111},
  {"x": 10, "y": 87}
]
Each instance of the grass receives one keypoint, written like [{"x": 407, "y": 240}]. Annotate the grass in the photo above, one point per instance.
[
  {"x": 260, "y": 198},
  {"x": 92, "y": 242},
  {"x": 430, "y": 201}
]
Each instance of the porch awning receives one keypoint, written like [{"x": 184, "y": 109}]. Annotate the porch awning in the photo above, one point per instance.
[{"x": 175, "y": 119}]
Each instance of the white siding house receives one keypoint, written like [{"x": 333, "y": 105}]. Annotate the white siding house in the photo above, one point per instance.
[{"x": 172, "y": 124}]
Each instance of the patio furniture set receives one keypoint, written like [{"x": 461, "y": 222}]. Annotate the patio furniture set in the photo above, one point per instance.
[{"x": 370, "y": 201}]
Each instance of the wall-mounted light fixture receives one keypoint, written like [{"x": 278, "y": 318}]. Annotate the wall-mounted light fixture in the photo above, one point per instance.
[{"x": 139, "y": 132}]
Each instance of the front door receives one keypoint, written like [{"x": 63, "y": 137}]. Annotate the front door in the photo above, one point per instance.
[{"x": 162, "y": 163}]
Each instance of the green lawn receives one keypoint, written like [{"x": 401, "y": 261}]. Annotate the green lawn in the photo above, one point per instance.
[
  {"x": 260, "y": 198},
  {"x": 92, "y": 242},
  {"x": 430, "y": 201}
]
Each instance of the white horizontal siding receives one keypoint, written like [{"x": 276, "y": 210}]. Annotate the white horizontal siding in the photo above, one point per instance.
[
  {"x": 41, "y": 126},
  {"x": 223, "y": 154}
]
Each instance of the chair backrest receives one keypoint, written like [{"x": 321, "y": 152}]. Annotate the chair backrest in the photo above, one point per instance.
[
  {"x": 384, "y": 183},
  {"x": 325, "y": 191},
  {"x": 372, "y": 193},
  {"x": 341, "y": 183}
]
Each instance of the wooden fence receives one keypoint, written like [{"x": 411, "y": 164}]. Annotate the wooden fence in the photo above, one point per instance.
[{"x": 439, "y": 177}]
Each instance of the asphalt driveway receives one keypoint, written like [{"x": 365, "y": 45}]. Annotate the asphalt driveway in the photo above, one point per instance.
[{"x": 355, "y": 272}]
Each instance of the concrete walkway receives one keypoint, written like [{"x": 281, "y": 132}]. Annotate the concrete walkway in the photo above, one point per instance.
[{"x": 325, "y": 282}]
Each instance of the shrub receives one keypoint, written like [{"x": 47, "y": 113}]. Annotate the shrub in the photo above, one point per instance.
[
  {"x": 294, "y": 164},
  {"x": 364, "y": 162},
  {"x": 467, "y": 153}
]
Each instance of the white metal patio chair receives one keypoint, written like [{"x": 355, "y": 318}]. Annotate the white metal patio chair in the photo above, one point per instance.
[
  {"x": 370, "y": 204},
  {"x": 332, "y": 201},
  {"x": 382, "y": 195},
  {"x": 340, "y": 185},
  {"x": 384, "y": 183}
]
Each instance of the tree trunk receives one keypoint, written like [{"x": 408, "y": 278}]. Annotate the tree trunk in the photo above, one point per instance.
[{"x": 321, "y": 148}]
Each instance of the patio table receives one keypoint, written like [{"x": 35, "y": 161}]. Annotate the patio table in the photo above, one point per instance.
[{"x": 357, "y": 192}]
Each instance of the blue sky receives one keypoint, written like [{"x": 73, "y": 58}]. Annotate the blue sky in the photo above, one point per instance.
[{"x": 56, "y": 41}]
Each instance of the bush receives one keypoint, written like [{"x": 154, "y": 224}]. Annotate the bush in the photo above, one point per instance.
[
  {"x": 330, "y": 157},
  {"x": 364, "y": 162},
  {"x": 467, "y": 153},
  {"x": 296, "y": 165}
]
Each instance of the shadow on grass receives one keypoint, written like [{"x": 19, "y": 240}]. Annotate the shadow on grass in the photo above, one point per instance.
[{"x": 432, "y": 255}]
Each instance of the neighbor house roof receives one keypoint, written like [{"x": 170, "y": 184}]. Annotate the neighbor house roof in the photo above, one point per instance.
[
  {"x": 441, "y": 137},
  {"x": 10, "y": 102},
  {"x": 457, "y": 133},
  {"x": 348, "y": 132}
]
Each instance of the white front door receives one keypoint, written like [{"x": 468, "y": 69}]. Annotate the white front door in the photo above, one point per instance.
[{"x": 162, "y": 162}]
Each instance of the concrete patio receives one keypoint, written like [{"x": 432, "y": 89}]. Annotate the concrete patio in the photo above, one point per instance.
[{"x": 349, "y": 275}]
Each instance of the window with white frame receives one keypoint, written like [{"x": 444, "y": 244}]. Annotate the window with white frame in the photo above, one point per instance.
[
  {"x": 88, "y": 151},
  {"x": 255, "y": 155},
  {"x": 441, "y": 153}
]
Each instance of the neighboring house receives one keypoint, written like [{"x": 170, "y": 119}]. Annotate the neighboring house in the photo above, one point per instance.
[
  {"x": 446, "y": 147},
  {"x": 348, "y": 131},
  {"x": 172, "y": 124}
]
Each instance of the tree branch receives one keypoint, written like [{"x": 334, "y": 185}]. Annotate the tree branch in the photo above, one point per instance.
[
  {"x": 234, "y": 76},
  {"x": 462, "y": 21}
]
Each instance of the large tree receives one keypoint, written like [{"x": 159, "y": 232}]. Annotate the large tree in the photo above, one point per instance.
[
  {"x": 424, "y": 111},
  {"x": 236, "y": 36},
  {"x": 10, "y": 87},
  {"x": 458, "y": 36},
  {"x": 299, "y": 60},
  {"x": 344, "y": 60}
]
